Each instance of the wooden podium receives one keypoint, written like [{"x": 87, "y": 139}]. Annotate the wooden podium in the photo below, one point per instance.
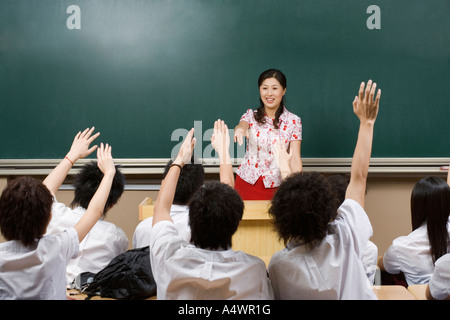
[{"x": 255, "y": 234}]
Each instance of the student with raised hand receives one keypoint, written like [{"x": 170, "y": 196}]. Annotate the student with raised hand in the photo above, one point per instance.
[
  {"x": 207, "y": 267},
  {"x": 339, "y": 184},
  {"x": 190, "y": 181},
  {"x": 105, "y": 240},
  {"x": 325, "y": 240},
  {"x": 415, "y": 254},
  {"x": 33, "y": 266}
]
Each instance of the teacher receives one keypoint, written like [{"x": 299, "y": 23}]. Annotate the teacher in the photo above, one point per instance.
[{"x": 266, "y": 128}]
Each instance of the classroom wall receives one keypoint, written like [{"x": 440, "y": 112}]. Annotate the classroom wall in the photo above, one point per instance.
[{"x": 387, "y": 205}]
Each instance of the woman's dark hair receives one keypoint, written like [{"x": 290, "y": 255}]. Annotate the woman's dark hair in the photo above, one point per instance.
[
  {"x": 260, "y": 112},
  {"x": 302, "y": 208},
  {"x": 25, "y": 210},
  {"x": 214, "y": 215},
  {"x": 430, "y": 203},
  {"x": 190, "y": 180},
  {"x": 86, "y": 183}
]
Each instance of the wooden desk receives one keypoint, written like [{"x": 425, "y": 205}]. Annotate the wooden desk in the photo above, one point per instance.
[
  {"x": 392, "y": 293},
  {"x": 418, "y": 290},
  {"x": 255, "y": 234}
]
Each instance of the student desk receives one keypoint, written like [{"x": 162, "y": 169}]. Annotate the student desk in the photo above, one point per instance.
[
  {"x": 392, "y": 293},
  {"x": 255, "y": 234},
  {"x": 418, "y": 290}
]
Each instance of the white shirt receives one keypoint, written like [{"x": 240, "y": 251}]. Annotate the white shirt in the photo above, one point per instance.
[
  {"x": 104, "y": 242},
  {"x": 411, "y": 255},
  {"x": 183, "y": 271},
  {"x": 331, "y": 270},
  {"x": 37, "y": 272},
  {"x": 440, "y": 279},
  {"x": 180, "y": 217}
]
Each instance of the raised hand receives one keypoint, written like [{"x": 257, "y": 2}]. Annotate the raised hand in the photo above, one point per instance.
[
  {"x": 105, "y": 161},
  {"x": 220, "y": 139},
  {"x": 185, "y": 154},
  {"x": 364, "y": 105},
  {"x": 283, "y": 159},
  {"x": 81, "y": 145}
]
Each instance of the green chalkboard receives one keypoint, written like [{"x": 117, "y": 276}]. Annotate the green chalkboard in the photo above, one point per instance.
[{"x": 141, "y": 71}]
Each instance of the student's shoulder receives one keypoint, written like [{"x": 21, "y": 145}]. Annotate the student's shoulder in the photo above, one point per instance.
[{"x": 351, "y": 212}]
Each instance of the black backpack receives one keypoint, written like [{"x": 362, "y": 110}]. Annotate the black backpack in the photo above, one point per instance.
[{"x": 127, "y": 276}]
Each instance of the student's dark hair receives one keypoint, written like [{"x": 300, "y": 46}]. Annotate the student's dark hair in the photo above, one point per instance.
[
  {"x": 25, "y": 210},
  {"x": 259, "y": 113},
  {"x": 430, "y": 203},
  {"x": 214, "y": 215},
  {"x": 339, "y": 184},
  {"x": 302, "y": 208},
  {"x": 87, "y": 181},
  {"x": 190, "y": 180}
]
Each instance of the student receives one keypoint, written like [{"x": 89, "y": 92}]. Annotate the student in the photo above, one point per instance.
[
  {"x": 339, "y": 184},
  {"x": 439, "y": 286},
  {"x": 415, "y": 254},
  {"x": 105, "y": 240},
  {"x": 258, "y": 176},
  {"x": 325, "y": 244},
  {"x": 33, "y": 266},
  {"x": 207, "y": 268},
  {"x": 191, "y": 179}
]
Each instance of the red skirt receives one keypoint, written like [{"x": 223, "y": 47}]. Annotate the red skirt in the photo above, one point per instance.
[{"x": 257, "y": 191}]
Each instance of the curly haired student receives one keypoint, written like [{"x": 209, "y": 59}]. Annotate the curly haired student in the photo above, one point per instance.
[{"x": 325, "y": 240}]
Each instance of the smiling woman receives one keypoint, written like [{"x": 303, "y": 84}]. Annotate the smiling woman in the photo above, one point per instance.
[{"x": 267, "y": 128}]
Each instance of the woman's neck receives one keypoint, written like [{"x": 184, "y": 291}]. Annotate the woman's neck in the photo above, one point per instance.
[{"x": 271, "y": 112}]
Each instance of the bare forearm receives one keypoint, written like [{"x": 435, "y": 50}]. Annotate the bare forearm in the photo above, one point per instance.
[
  {"x": 360, "y": 163},
  {"x": 96, "y": 207},
  {"x": 363, "y": 151},
  {"x": 226, "y": 170},
  {"x": 54, "y": 180},
  {"x": 166, "y": 194}
]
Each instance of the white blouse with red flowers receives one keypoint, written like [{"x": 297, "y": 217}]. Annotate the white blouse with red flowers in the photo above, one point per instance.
[{"x": 259, "y": 160}]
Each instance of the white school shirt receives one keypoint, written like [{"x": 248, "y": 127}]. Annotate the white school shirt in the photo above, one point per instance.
[
  {"x": 440, "y": 279},
  {"x": 411, "y": 255},
  {"x": 103, "y": 242},
  {"x": 332, "y": 270},
  {"x": 180, "y": 217},
  {"x": 37, "y": 272},
  {"x": 183, "y": 271}
]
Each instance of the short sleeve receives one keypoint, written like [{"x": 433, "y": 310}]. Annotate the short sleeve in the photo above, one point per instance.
[
  {"x": 297, "y": 130},
  {"x": 353, "y": 215},
  {"x": 164, "y": 242},
  {"x": 69, "y": 244},
  {"x": 248, "y": 116},
  {"x": 391, "y": 261},
  {"x": 440, "y": 279}
]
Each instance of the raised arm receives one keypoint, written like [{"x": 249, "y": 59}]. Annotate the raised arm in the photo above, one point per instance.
[
  {"x": 296, "y": 161},
  {"x": 220, "y": 141},
  {"x": 79, "y": 149},
  {"x": 169, "y": 184},
  {"x": 97, "y": 204},
  {"x": 283, "y": 159},
  {"x": 366, "y": 109}
]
